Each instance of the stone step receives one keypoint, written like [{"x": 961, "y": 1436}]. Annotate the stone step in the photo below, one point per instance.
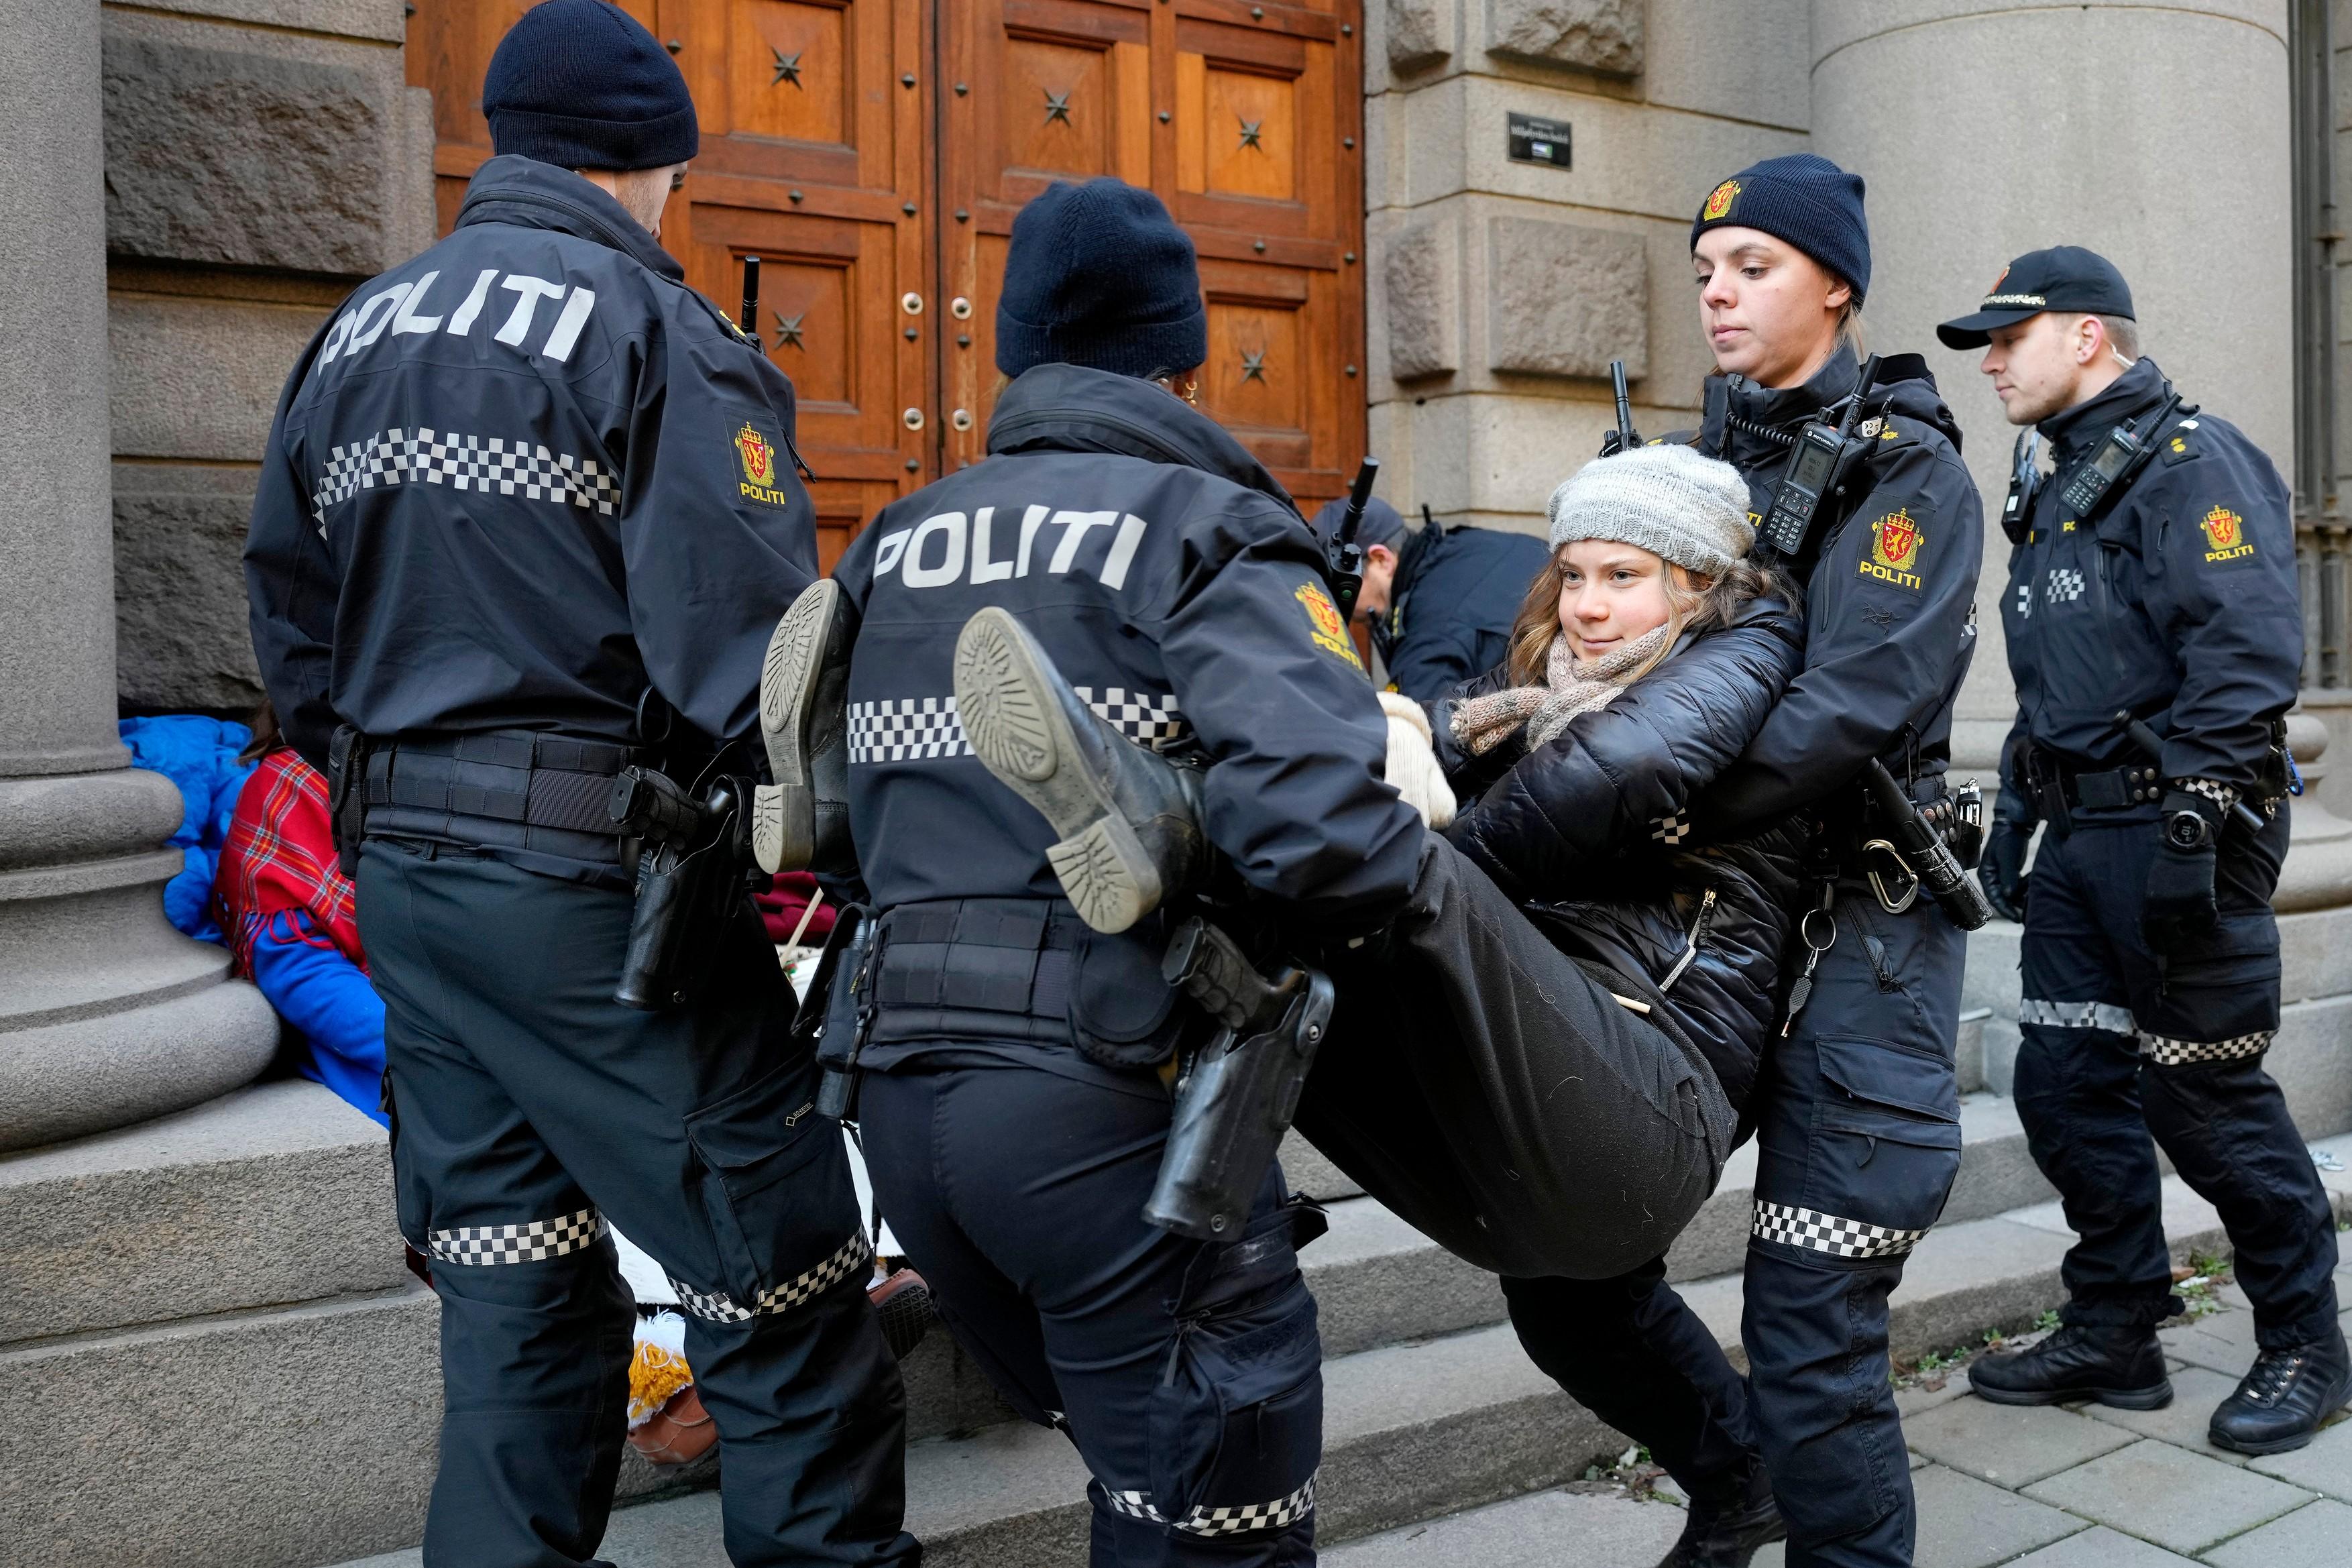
[
  {"x": 1415, "y": 1431},
  {"x": 274, "y": 1195}
]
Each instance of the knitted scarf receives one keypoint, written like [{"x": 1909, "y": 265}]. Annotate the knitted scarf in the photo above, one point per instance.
[{"x": 1573, "y": 686}]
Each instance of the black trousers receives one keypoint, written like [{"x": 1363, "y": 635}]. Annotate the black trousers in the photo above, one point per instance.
[
  {"x": 1476, "y": 1081},
  {"x": 527, "y": 1106},
  {"x": 2118, "y": 1046},
  {"x": 1188, "y": 1374},
  {"x": 1857, "y": 1115}
]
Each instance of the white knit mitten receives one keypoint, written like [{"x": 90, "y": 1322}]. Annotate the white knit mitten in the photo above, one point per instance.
[{"x": 1412, "y": 770}]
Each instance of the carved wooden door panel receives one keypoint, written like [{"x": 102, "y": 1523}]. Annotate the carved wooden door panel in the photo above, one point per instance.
[
  {"x": 814, "y": 157},
  {"x": 1247, "y": 122}
]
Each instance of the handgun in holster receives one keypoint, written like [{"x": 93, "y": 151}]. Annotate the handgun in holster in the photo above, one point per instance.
[
  {"x": 347, "y": 795},
  {"x": 1237, "y": 1093},
  {"x": 839, "y": 1009},
  {"x": 690, "y": 874}
]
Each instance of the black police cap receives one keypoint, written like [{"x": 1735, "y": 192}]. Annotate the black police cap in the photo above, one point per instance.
[{"x": 2062, "y": 278}]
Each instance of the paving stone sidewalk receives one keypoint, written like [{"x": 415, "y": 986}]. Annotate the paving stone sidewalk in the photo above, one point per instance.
[{"x": 2072, "y": 1486}]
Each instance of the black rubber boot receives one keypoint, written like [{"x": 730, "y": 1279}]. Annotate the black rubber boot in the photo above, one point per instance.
[
  {"x": 2283, "y": 1398},
  {"x": 1129, "y": 822},
  {"x": 801, "y": 820},
  {"x": 1727, "y": 1534},
  {"x": 2119, "y": 1366}
]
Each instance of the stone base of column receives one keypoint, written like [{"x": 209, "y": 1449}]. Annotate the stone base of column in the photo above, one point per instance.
[{"x": 110, "y": 1016}]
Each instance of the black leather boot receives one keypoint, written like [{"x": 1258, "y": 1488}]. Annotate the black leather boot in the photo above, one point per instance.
[
  {"x": 801, "y": 820},
  {"x": 1129, "y": 822},
  {"x": 2119, "y": 1366},
  {"x": 1727, "y": 1534},
  {"x": 2285, "y": 1397}
]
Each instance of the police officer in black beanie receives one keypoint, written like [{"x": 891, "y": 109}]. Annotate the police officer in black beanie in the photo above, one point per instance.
[
  {"x": 526, "y": 516},
  {"x": 1012, "y": 1063},
  {"x": 1856, "y": 1107}
]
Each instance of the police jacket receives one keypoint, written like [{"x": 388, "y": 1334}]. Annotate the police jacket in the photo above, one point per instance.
[
  {"x": 518, "y": 480},
  {"x": 1456, "y": 593},
  {"x": 1589, "y": 833},
  {"x": 1174, "y": 586},
  {"x": 2176, "y": 601},
  {"x": 1889, "y": 601}
]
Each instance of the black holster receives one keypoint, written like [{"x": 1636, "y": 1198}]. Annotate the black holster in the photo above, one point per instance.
[
  {"x": 346, "y": 797},
  {"x": 687, "y": 890}
]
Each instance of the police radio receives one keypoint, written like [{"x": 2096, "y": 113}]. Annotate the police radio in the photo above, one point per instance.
[
  {"x": 2117, "y": 461},
  {"x": 1623, "y": 438},
  {"x": 2024, "y": 479},
  {"x": 1823, "y": 454}
]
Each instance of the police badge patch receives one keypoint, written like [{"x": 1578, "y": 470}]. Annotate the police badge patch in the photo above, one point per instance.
[
  {"x": 2225, "y": 536},
  {"x": 1324, "y": 625},
  {"x": 1894, "y": 542},
  {"x": 1718, "y": 201},
  {"x": 757, "y": 455}
]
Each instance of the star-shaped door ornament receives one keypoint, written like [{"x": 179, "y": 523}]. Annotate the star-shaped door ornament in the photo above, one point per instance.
[
  {"x": 1249, "y": 134},
  {"x": 788, "y": 67},
  {"x": 788, "y": 330},
  {"x": 1057, "y": 106},
  {"x": 1254, "y": 364}
]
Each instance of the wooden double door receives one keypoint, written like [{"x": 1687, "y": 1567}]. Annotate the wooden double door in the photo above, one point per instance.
[{"x": 873, "y": 154}]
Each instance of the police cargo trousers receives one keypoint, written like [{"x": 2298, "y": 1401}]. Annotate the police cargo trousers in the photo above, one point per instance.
[
  {"x": 2119, "y": 1045},
  {"x": 1188, "y": 1374},
  {"x": 527, "y": 1108},
  {"x": 1857, "y": 1116}
]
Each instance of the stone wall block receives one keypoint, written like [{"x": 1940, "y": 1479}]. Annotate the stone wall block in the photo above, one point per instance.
[
  {"x": 1600, "y": 35},
  {"x": 1421, "y": 33},
  {"x": 1564, "y": 300},
  {"x": 249, "y": 160},
  {"x": 1423, "y": 302},
  {"x": 182, "y": 635}
]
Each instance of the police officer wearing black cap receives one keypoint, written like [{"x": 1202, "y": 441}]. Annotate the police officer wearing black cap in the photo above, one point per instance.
[
  {"x": 1856, "y": 1109},
  {"x": 2151, "y": 581},
  {"x": 525, "y": 517},
  {"x": 1012, "y": 1064},
  {"x": 1440, "y": 601}
]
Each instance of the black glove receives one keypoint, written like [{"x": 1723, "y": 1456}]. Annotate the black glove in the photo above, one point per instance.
[
  {"x": 2001, "y": 869},
  {"x": 2179, "y": 911}
]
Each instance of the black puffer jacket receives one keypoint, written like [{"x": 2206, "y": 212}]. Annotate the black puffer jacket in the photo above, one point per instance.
[{"x": 1588, "y": 832}]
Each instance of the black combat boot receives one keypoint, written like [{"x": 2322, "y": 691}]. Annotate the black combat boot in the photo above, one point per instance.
[
  {"x": 1129, "y": 823},
  {"x": 801, "y": 820},
  {"x": 1727, "y": 1534},
  {"x": 2122, "y": 1367},
  {"x": 2285, "y": 1397}
]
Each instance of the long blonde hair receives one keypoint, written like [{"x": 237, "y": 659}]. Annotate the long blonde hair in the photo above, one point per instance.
[{"x": 1694, "y": 603}]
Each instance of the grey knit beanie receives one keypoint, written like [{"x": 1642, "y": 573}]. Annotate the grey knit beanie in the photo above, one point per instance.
[{"x": 1672, "y": 501}]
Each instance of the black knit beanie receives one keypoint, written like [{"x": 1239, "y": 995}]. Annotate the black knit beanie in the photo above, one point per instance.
[
  {"x": 581, "y": 84},
  {"x": 1100, "y": 275},
  {"x": 1804, "y": 199}
]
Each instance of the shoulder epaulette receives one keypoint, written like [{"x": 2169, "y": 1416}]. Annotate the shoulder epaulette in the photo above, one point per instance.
[{"x": 2181, "y": 442}]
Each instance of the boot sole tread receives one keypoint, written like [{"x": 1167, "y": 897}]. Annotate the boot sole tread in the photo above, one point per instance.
[
  {"x": 1016, "y": 724},
  {"x": 784, "y": 813}
]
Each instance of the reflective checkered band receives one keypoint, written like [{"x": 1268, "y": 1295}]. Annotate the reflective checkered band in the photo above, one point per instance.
[
  {"x": 920, "y": 729},
  {"x": 2076, "y": 1015},
  {"x": 1818, "y": 1231},
  {"x": 1145, "y": 718},
  {"x": 530, "y": 1243},
  {"x": 2064, "y": 586},
  {"x": 718, "y": 1307},
  {"x": 2220, "y": 794},
  {"x": 467, "y": 463},
  {"x": 2025, "y": 600},
  {"x": 2170, "y": 1053},
  {"x": 906, "y": 729},
  {"x": 1671, "y": 828},
  {"x": 1230, "y": 1519}
]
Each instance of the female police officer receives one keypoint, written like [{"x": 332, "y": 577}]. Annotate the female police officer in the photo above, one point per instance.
[{"x": 1856, "y": 1108}]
